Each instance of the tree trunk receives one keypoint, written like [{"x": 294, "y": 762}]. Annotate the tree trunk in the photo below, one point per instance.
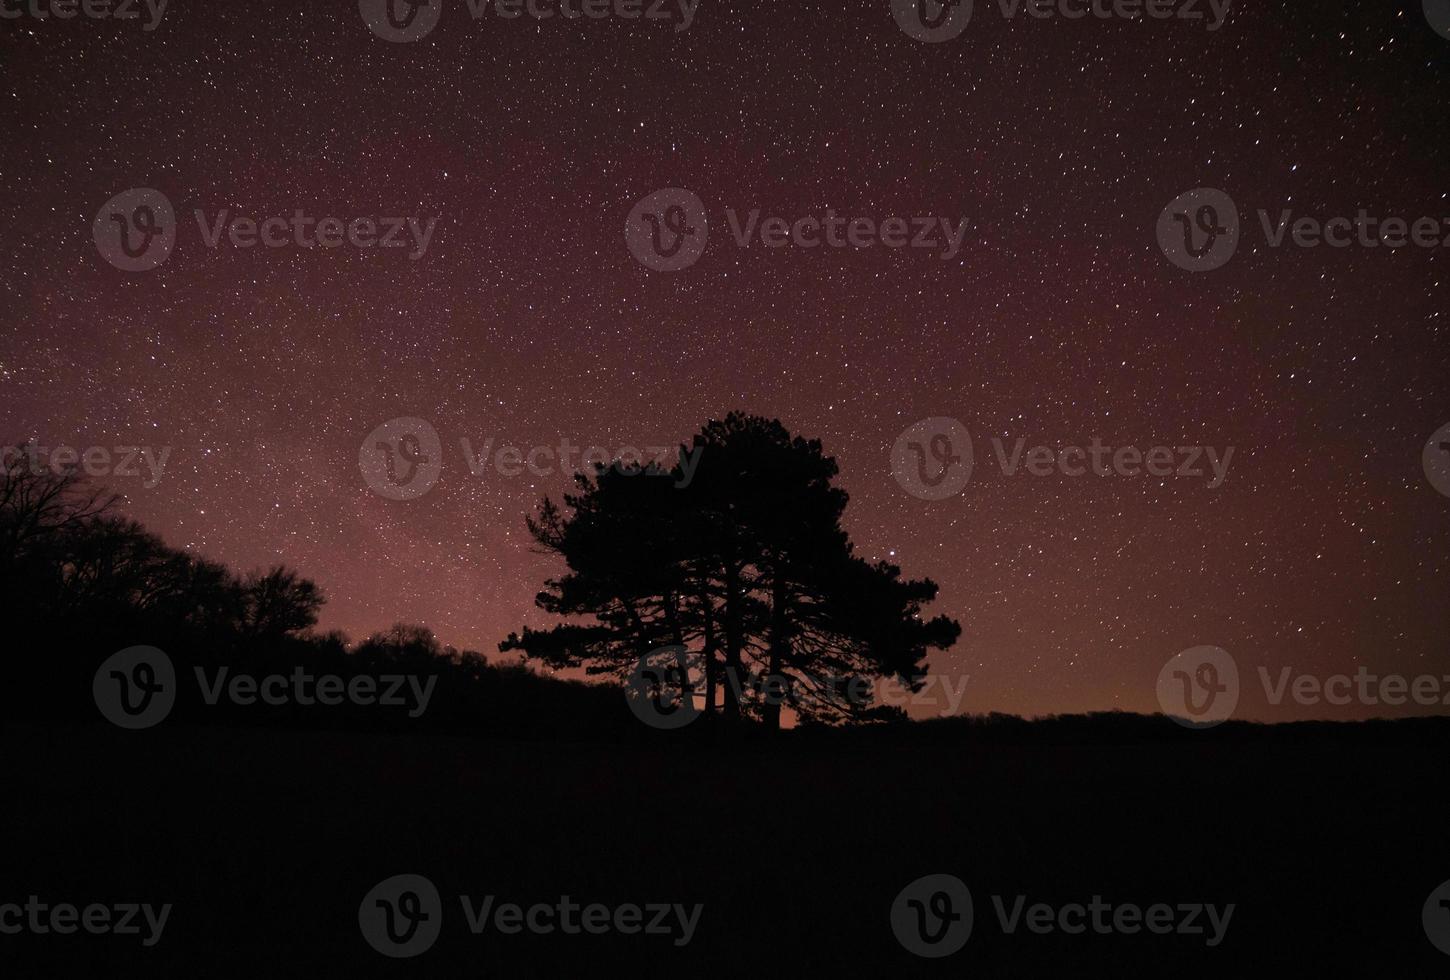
[
  {"x": 779, "y": 648},
  {"x": 733, "y": 642},
  {"x": 672, "y": 616},
  {"x": 707, "y": 616}
]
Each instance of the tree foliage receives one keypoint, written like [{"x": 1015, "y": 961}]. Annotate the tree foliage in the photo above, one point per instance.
[{"x": 746, "y": 565}]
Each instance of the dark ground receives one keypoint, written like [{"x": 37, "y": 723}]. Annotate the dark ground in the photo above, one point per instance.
[{"x": 1328, "y": 840}]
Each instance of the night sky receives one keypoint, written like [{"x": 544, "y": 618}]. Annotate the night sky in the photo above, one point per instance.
[{"x": 527, "y": 320}]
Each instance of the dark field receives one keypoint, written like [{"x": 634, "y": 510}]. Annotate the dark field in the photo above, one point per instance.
[{"x": 1326, "y": 839}]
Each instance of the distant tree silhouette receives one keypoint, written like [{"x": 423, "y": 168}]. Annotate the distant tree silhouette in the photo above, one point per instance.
[
  {"x": 401, "y": 645},
  {"x": 65, "y": 550},
  {"x": 278, "y": 602},
  {"x": 79, "y": 581},
  {"x": 44, "y": 514},
  {"x": 746, "y": 565},
  {"x": 78, "y": 577}
]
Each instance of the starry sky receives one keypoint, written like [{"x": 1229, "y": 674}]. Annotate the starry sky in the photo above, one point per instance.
[{"x": 528, "y": 320}]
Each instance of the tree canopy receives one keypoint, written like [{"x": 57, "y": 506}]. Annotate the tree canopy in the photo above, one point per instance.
[{"x": 746, "y": 566}]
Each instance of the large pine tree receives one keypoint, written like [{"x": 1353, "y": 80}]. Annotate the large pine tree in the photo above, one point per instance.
[{"x": 746, "y": 566}]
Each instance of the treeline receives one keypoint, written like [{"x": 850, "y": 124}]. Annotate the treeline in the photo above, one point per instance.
[
  {"x": 739, "y": 561},
  {"x": 80, "y": 581}
]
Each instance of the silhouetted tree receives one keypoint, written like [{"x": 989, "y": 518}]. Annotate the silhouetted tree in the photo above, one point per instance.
[
  {"x": 44, "y": 512},
  {"x": 278, "y": 602},
  {"x": 400, "y": 645},
  {"x": 67, "y": 558},
  {"x": 746, "y": 565}
]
